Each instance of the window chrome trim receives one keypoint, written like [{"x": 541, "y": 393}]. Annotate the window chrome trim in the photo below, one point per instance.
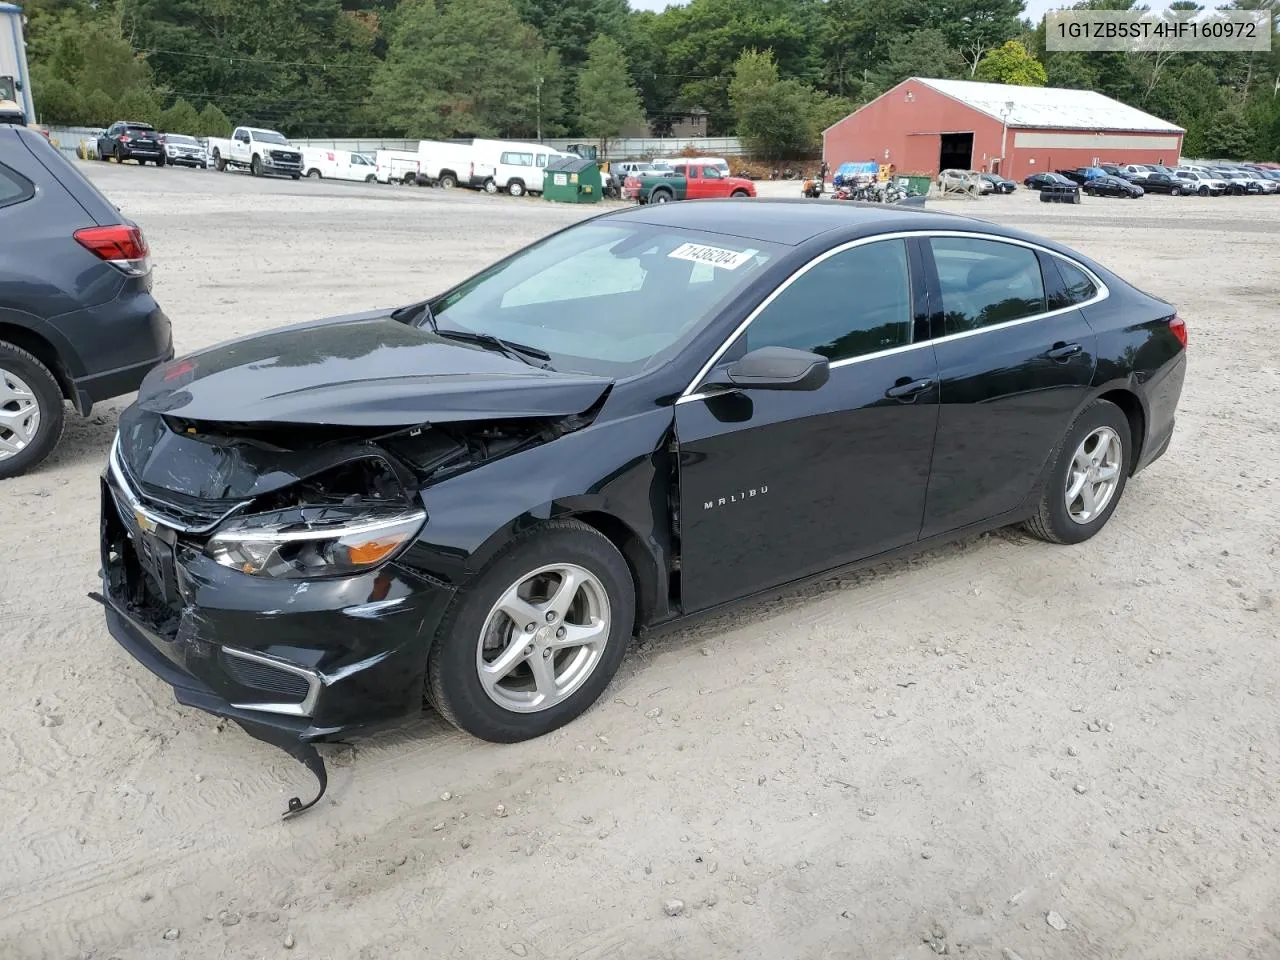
[
  {"x": 303, "y": 709},
  {"x": 1101, "y": 292}
]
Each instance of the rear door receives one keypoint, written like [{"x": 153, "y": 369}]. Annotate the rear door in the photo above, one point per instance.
[
  {"x": 777, "y": 485},
  {"x": 1016, "y": 358}
]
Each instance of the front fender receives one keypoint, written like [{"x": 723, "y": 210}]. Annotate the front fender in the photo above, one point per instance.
[{"x": 620, "y": 470}]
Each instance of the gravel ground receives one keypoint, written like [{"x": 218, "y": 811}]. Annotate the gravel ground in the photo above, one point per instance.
[{"x": 999, "y": 748}]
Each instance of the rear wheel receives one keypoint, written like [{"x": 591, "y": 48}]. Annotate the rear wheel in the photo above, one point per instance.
[
  {"x": 255, "y": 166},
  {"x": 31, "y": 411},
  {"x": 1087, "y": 478},
  {"x": 371, "y": 178},
  {"x": 490, "y": 186},
  {"x": 515, "y": 188},
  {"x": 159, "y": 161},
  {"x": 218, "y": 163},
  {"x": 536, "y": 638},
  {"x": 448, "y": 181},
  {"x": 661, "y": 196},
  {"x": 314, "y": 173}
]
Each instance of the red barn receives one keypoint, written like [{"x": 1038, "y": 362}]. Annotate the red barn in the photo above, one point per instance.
[{"x": 923, "y": 126}]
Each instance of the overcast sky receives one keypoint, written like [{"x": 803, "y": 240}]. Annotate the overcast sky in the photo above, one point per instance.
[{"x": 1035, "y": 8}]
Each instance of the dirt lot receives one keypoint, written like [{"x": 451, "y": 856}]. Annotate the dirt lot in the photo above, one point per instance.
[{"x": 1000, "y": 748}]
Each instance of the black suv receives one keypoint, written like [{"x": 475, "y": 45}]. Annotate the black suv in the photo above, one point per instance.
[
  {"x": 130, "y": 140},
  {"x": 77, "y": 319}
]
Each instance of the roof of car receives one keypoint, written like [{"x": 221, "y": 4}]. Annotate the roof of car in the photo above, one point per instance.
[{"x": 792, "y": 222}]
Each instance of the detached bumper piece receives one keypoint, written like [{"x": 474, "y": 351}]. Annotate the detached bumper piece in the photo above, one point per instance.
[{"x": 145, "y": 647}]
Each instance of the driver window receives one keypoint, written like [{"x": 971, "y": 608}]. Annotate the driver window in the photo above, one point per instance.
[
  {"x": 711, "y": 173},
  {"x": 851, "y": 304}
]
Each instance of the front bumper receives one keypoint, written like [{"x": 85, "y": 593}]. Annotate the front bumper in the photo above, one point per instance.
[{"x": 292, "y": 661}]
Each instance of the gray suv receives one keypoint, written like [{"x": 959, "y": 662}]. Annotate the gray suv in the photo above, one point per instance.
[{"x": 77, "y": 319}]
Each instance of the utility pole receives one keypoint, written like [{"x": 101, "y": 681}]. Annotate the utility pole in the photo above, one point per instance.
[{"x": 539, "y": 83}]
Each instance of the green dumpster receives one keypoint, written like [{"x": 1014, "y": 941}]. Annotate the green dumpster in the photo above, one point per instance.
[
  {"x": 916, "y": 183},
  {"x": 571, "y": 180}
]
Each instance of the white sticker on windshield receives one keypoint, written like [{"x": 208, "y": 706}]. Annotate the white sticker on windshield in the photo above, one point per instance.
[{"x": 716, "y": 256}]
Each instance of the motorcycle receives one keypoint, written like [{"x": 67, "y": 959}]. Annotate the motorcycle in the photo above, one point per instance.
[{"x": 812, "y": 188}]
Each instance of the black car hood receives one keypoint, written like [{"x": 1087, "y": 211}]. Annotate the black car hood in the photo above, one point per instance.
[{"x": 365, "y": 370}]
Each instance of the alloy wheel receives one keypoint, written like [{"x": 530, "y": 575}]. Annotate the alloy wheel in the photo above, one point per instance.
[
  {"x": 1094, "y": 475},
  {"x": 19, "y": 414},
  {"x": 543, "y": 638}
]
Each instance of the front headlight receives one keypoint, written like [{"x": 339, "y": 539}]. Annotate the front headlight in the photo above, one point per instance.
[{"x": 307, "y": 542}]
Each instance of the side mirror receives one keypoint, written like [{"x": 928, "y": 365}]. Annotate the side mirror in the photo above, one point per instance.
[{"x": 775, "y": 368}]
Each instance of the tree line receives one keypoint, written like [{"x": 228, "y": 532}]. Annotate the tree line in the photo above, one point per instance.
[{"x": 775, "y": 72}]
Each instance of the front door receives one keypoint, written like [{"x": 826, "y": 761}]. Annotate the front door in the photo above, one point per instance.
[
  {"x": 1017, "y": 359},
  {"x": 776, "y": 485}
]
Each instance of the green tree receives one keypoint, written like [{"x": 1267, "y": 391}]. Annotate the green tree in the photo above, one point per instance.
[
  {"x": 1012, "y": 64},
  {"x": 213, "y": 122},
  {"x": 180, "y": 118},
  {"x": 1228, "y": 136},
  {"x": 920, "y": 53},
  {"x": 607, "y": 99},
  {"x": 139, "y": 103},
  {"x": 974, "y": 27},
  {"x": 99, "y": 109},
  {"x": 772, "y": 114},
  {"x": 57, "y": 101}
]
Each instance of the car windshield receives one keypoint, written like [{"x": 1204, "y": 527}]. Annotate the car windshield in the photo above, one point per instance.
[
  {"x": 269, "y": 136},
  {"x": 606, "y": 298}
]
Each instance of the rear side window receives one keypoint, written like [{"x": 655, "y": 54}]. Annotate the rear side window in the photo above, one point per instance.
[
  {"x": 1076, "y": 286},
  {"x": 14, "y": 187},
  {"x": 985, "y": 282},
  {"x": 513, "y": 159}
]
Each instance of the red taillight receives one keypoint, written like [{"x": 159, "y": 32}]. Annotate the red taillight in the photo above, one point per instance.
[
  {"x": 120, "y": 245},
  {"x": 1178, "y": 326},
  {"x": 124, "y": 138}
]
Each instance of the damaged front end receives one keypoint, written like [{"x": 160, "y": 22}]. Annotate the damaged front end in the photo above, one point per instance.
[{"x": 266, "y": 570}]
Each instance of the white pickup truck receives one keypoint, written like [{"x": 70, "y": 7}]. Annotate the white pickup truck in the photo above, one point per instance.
[{"x": 261, "y": 152}]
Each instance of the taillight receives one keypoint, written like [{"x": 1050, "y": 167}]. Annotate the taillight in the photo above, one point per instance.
[
  {"x": 1178, "y": 327},
  {"x": 124, "y": 138},
  {"x": 124, "y": 247}
]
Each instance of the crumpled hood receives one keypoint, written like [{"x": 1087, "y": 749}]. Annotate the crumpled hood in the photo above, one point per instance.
[{"x": 365, "y": 370}]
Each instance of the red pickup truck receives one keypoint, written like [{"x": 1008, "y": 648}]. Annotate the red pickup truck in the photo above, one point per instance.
[{"x": 686, "y": 181}]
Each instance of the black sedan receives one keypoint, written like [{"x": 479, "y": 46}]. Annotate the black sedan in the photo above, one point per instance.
[
  {"x": 999, "y": 184},
  {"x": 1164, "y": 183},
  {"x": 131, "y": 140},
  {"x": 1110, "y": 186},
  {"x": 1038, "y": 180},
  {"x": 479, "y": 498}
]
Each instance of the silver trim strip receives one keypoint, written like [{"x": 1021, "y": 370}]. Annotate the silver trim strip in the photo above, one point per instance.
[
  {"x": 689, "y": 392},
  {"x": 303, "y": 709}
]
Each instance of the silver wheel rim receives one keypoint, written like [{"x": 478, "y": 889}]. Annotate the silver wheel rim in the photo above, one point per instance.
[
  {"x": 1094, "y": 475},
  {"x": 543, "y": 638},
  {"x": 19, "y": 414}
]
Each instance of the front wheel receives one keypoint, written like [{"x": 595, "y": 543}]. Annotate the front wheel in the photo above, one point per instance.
[
  {"x": 295, "y": 176},
  {"x": 448, "y": 181},
  {"x": 536, "y": 638},
  {"x": 739, "y": 194},
  {"x": 1175, "y": 192},
  {"x": 1087, "y": 478},
  {"x": 31, "y": 411},
  {"x": 160, "y": 161},
  {"x": 515, "y": 188}
]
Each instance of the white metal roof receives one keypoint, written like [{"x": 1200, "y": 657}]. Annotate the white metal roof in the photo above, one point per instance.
[{"x": 1049, "y": 107}]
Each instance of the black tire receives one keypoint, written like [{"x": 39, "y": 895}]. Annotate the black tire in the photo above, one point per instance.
[
  {"x": 453, "y": 684},
  {"x": 160, "y": 161},
  {"x": 1075, "y": 198},
  {"x": 1204, "y": 191},
  {"x": 661, "y": 196},
  {"x": 295, "y": 176},
  {"x": 490, "y": 186},
  {"x": 1175, "y": 192},
  {"x": 218, "y": 163},
  {"x": 1052, "y": 522},
  {"x": 48, "y": 397},
  {"x": 448, "y": 181},
  {"x": 314, "y": 174},
  {"x": 255, "y": 166},
  {"x": 739, "y": 194},
  {"x": 1044, "y": 198},
  {"x": 516, "y": 188},
  {"x": 119, "y": 153}
]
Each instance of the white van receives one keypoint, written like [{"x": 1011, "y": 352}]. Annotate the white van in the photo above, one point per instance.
[
  {"x": 517, "y": 166},
  {"x": 337, "y": 164},
  {"x": 395, "y": 166},
  {"x": 452, "y": 165}
]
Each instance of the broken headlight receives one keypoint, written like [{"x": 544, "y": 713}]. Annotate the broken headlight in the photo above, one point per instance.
[{"x": 304, "y": 542}]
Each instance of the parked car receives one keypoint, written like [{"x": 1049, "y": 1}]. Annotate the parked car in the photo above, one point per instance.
[
  {"x": 1133, "y": 171},
  {"x": 1202, "y": 183},
  {"x": 691, "y": 180},
  {"x": 1037, "y": 180},
  {"x": 480, "y": 491},
  {"x": 625, "y": 168},
  {"x": 1055, "y": 188},
  {"x": 1156, "y": 182},
  {"x": 969, "y": 181},
  {"x": 261, "y": 152},
  {"x": 181, "y": 150},
  {"x": 517, "y": 167},
  {"x": 1240, "y": 180},
  {"x": 131, "y": 140},
  {"x": 1109, "y": 186},
  {"x": 1082, "y": 175},
  {"x": 1000, "y": 184},
  {"x": 321, "y": 162},
  {"x": 451, "y": 165},
  {"x": 77, "y": 319}
]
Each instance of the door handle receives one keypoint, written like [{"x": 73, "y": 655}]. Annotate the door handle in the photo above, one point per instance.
[
  {"x": 1064, "y": 351},
  {"x": 908, "y": 391}
]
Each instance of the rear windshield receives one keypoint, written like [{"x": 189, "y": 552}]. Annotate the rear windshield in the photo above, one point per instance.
[{"x": 139, "y": 128}]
